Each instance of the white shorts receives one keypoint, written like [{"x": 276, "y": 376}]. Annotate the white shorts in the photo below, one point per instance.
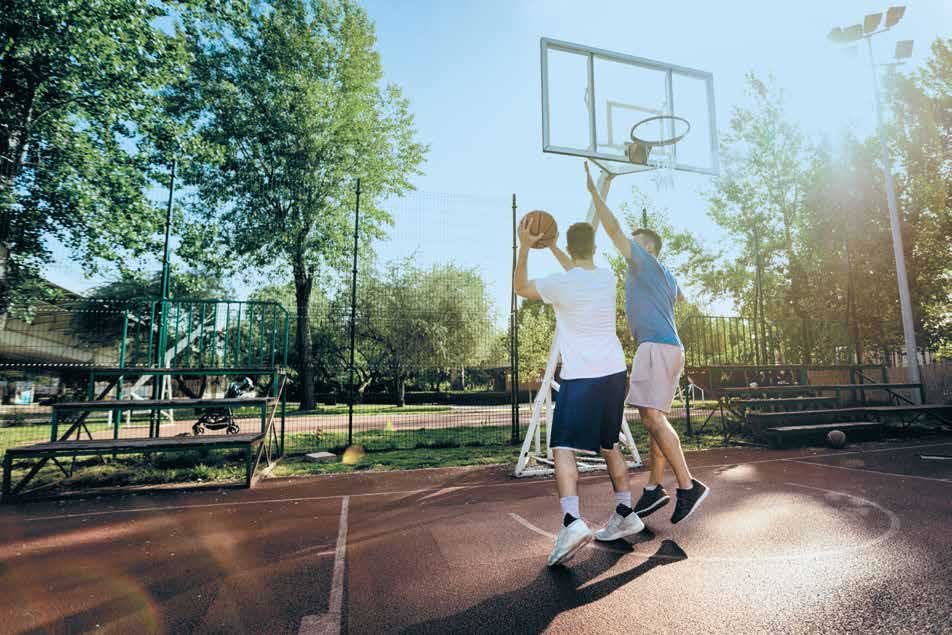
[{"x": 655, "y": 373}]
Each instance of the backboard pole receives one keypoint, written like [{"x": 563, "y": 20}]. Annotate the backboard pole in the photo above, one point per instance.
[{"x": 604, "y": 184}]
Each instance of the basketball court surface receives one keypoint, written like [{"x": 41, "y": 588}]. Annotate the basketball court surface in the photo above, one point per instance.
[{"x": 796, "y": 541}]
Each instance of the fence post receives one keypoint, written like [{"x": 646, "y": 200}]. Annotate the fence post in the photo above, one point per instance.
[
  {"x": 514, "y": 337},
  {"x": 687, "y": 406},
  {"x": 353, "y": 321}
]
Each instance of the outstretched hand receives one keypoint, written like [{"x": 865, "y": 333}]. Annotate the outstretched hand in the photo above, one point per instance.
[
  {"x": 589, "y": 183},
  {"x": 526, "y": 237}
]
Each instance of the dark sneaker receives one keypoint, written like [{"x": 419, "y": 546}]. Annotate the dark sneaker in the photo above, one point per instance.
[
  {"x": 689, "y": 500},
  {"x": 651, "y": 501}
]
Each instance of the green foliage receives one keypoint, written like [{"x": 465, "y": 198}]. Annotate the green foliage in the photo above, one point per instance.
[
  {"x": 921, "y": 138},
  {"x": 99, "y": 316},
  {"x": 536, "y": 329},
  {"x": 79, "y": 89},
  {"x": 411, "y": 320},
  {"x": 816, "y": 216},
  {"x": 285, "y": 112}
]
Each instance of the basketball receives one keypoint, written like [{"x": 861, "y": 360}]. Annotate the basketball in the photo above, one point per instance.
[
  {"x": 836, "y": 439},
  {"x": 541, "y": 222}
]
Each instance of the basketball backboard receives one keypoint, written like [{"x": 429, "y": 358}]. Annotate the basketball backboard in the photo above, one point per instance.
[{"x": 591, "y": 98}]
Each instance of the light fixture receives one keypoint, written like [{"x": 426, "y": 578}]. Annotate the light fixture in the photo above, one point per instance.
[
  {"x": 835, "y": 35},
  {"x": 871, "y": 22},
  {"x": 903, "y": 49},
  {"x": 853, "y": 33},
  {"x": 894, "y": 15}
]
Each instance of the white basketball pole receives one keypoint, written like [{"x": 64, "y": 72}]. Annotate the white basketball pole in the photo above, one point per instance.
[{"x": 544, "y": 398}]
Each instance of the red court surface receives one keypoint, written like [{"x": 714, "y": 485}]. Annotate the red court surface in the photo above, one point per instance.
[{"x": 796, "y": 541}]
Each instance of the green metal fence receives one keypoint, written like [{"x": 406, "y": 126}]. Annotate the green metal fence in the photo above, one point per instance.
[{"x": 205, "y": 334}]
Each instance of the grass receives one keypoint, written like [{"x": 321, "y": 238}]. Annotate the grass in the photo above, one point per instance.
[
  {"x": 22, "y": 434},
  {"x": 371, "y": 409},
  {"x": 403, "y": 460},
  {"x": 383, "y": 450},
  {"x": 136, "y": 469}
]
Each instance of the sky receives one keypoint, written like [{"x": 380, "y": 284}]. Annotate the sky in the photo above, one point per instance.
[{"x": 471, "y": 72}]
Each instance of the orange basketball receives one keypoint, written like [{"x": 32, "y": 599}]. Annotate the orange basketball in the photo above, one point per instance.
[{"x": 541, "y": 222}]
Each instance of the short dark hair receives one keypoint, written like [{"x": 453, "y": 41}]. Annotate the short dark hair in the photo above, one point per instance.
[
  {"x": 655, "y": 238},
  {"x": 580, "y": 240}
]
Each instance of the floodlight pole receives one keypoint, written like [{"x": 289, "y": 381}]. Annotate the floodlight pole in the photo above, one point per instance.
[{"x": 905, "y": 303}]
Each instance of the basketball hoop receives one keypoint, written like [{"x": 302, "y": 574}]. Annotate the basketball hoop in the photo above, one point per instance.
[{"x": 639, "y": 149}]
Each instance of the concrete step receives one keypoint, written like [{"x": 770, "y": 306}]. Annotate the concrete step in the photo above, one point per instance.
[{"x": 788, "y": 436}]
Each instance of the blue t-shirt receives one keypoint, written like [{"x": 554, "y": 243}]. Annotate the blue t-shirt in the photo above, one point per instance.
[{"x": 650, "y": 294}]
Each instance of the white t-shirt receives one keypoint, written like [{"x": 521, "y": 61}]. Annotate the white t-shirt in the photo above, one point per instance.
[{"x": 584, "y": 303}]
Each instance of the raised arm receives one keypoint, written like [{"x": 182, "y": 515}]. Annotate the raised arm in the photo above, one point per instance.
[
  {"x": 521, "y": 283},
  {"x": 561, "y": 256},
  {"x": 605, "y": 216}
]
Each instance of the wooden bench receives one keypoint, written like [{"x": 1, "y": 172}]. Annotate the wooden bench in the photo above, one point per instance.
[
  {"x": 759, "y": 420},
  {"x": 912, "y": 413},
  {"x": 865, "y": 429},
  {"x": 98, "y": 447},
  {"x": 784, "y": 403}
]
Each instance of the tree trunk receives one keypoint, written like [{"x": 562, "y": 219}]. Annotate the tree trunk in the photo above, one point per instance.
[
  {"x": 303, "y": 285},
  {"x": 401, "y": 389}
]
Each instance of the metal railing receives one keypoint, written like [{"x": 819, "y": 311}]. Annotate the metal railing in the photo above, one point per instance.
[
  {"x": 205, "y": 334},
  {"x": 738, "y": 341}
]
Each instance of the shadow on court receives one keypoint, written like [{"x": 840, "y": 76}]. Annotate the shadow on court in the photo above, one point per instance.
[{"x": 532, "y": 608}]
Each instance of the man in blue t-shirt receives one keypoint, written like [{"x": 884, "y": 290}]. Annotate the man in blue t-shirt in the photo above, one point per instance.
[{"x": 650, "y": 295}]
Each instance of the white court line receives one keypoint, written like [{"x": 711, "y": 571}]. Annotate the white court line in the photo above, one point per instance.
[
  {"x": 894, "y": 525},
  {"x": 856, "y": 469},
  {"x": 330, "y": 622},
  {"x": 547, "y": 481}
]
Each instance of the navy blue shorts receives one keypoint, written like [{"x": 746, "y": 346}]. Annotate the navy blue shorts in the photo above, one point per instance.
[{"x": 588, "y": 413}]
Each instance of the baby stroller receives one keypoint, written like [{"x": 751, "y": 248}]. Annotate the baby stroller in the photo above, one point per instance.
[{"x": 220, "y": 418}]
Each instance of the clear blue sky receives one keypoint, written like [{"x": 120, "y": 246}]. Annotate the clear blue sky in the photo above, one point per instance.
[{"x": 471, "y": 72}]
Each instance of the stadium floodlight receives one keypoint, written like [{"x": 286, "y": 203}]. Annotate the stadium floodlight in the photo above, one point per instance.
[
  {"x": 853, "y": 33},
  {"x": 903, "y": 49},
  {"x": 871, "y": 22},
  {"x": 894, "y": 15}
]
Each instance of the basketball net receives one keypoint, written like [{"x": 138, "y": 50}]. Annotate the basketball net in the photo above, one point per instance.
[{"x": 663, "y": 175}]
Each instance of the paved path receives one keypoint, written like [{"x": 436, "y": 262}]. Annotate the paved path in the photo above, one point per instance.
[{"x": 792, "y": 541}]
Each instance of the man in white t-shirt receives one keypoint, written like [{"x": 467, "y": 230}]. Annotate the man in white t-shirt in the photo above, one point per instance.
[{"x": 592, "y": 385}]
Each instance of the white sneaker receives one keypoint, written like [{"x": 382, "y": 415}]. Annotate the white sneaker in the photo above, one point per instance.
[
  {"x": 570, "y": 540},
  {"x": 619, "y": 526}
]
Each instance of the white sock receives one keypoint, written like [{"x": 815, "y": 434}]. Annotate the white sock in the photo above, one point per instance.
[
  {"x": 569, "y": 506},
  {"x": 623, "y": 498},
  {"x": 650, "y": 488}
]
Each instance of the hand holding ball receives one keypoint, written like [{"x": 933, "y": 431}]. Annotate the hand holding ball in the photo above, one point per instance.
[{"x": 538, "y": 229}]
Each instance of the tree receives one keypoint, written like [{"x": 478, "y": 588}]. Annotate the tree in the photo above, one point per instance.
[
  {"x": 411, "y": 321},
  {"x": 756, "y": 201},
  {"x": 78, "y": 84},
  {"x": 536, "y": 322},
  {"x": 921, "y": 140},
  {"x": 98, "y": 317},
  {"x": 287, "y": 112}
]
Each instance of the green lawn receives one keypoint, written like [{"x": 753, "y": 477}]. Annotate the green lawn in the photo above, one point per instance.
[
  {"x": 135, "y": 469},
  {"x": 382, "y": 450},
  {"x": 21, "y": 435},
  {"x": 370, "y": 409}
]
